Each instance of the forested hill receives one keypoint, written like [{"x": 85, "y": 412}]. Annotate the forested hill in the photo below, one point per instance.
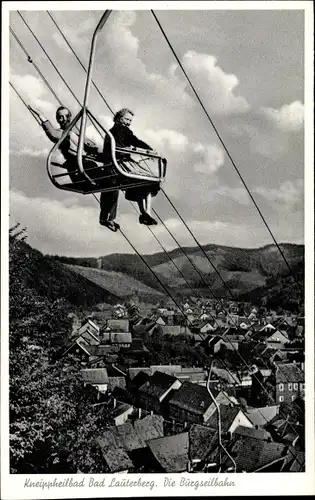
[
  {"x": 243, "y": 270},
  {"x": 49, "y": 278}
]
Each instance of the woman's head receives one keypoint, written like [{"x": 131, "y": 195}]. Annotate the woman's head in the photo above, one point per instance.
[
  {"x": 124, "y": 117},
  {"x": 63, "y": 116}
]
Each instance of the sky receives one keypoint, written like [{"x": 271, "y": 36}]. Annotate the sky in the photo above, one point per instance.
[{"x": 248, "y": 69}]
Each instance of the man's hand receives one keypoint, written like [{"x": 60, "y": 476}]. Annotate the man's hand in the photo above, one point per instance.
[{"x": 41, "y": 117}]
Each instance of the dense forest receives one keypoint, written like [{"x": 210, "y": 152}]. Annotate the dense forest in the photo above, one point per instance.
[{"x": 52, "y": 422}]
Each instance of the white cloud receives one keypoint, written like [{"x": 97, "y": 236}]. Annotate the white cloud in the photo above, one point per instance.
[
  {"x": 204, "y": 158},
  {"x": 290, "y": 193},
  {"x": 209, "y": 158},
  {"x": 33, "y": 90},
  {"x": 290, "y": 117},
  {"x": 214, "y": 84}
]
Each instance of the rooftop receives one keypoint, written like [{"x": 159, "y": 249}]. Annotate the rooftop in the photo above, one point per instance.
[
  {"x": 192, "y": 397},
  {"x": 171, "y": 452},
  {"x": 95, "y": 375},
  {"x": 289, "y": 373}
]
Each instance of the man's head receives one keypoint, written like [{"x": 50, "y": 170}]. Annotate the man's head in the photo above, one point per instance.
[
  {"x": 63, "y": 117},
  {"x": 124, "y": 117}
]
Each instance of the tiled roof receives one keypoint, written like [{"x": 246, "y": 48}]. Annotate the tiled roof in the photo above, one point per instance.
[
  {"x": 171, "y": 452},
  {"x": 295, "y": 461},
  {"x": 116, "y": 382},
  {"x": 202, "y": 440},
  {"x": 251, "y": 432},
  {"x": 117, "y": 460},
  {"x": 120, "y": 409},
  {"x": 251, "y": 454},
  {"x": 124, "y": 436},
  {"x": 133, "y": 372},
  {"x": 158, "y": 384},
  {"x": 228, "y": 415},
  {"x": 100, "y": 350},
  {"x": 121, "y": 325},
  {"x": 261, "y": 416},
  {"x": 192, "y": 397},
  {"x": 150, "y": 427},
  {"x": 141, "y": 378},
  {"x": 289, "y": 373},
  {"x": 94, "y": 375}
]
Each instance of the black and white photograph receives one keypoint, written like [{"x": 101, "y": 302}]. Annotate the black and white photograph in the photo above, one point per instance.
[{"x": 157, "y": 249}]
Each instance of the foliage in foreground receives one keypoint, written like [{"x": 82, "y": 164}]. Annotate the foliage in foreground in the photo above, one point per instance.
[{"x": 52, "y": 421}]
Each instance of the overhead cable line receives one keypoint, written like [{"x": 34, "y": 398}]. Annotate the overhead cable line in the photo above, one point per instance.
[
  {"x": 54, "y": 66},
  {"x": 226, "y": 150},
  {"x": 163, "y": 286},
  {"x": 155, "y": 274},
  {"x": 199, "y": 245},
  {"x": 105, "y": 101},
  {"x": 30, "y": 60},
  {"x": 79, "y": 60},
  {"x": 168, "y": 255}
]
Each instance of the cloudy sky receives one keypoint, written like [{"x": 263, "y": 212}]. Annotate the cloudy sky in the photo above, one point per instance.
[{"x": 248, "y": 68}]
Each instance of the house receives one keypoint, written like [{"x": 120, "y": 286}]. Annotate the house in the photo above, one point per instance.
[
  {"x": 118, "y": 460},
  {"x": 252, "y": 432},
  {"x": 193, "y": 375},
  {"x": 118, "y": 325},
  {"x": 90, "y": 327},
  {"x": 289, "y": 382},
  {"x": 190, "y": 404},
  {"x": 202, "y": 441},
  {"x": 122, "y": 339},
  {"x": 294, "y": 461},
  {"x": 261, "y": 416},
  {"x": 123, "y": 436},
  {"x": 255, "y": 455},
  {"x": 96, "y": 377},
  {"x": 121, "y": 413},
  {"x": 207, "y": 327},
  {"x": 150, "y": 427},
  {"x": 227, "y": 376},
  {"x": 151, "y": 394},
  {"x": 160, "y": 321},
  {"x": 171, "y": 452},
  {"x": 231, "y": 418},
  {"x": 114, "y": 382},
  {"x": 277, "y": 340}
]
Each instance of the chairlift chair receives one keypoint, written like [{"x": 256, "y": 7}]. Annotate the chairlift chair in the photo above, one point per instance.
[{"x": 120, "y": 168}]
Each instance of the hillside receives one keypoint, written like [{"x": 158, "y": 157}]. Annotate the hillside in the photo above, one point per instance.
[
  {"x": 117, "y": 283},
  {"x": 49, "y": 278},
  {"x": 250, "y": 274}
]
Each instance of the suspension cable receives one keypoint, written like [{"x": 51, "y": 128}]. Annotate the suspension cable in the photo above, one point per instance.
[
  {"x": 167, "y": 253},
  {"x": 197, "y": 242},
  {"x": 55, "y": 67},
  {"x": 226, "y": 150},
  {"x": 78, "y": 59},
  {"x": 163, "y": 286},
  {"x": 30, "y": 60},
  {"x": 159, "y": 279}
]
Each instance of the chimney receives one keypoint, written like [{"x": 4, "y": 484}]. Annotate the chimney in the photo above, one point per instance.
[{"x": 139, "y": 413}]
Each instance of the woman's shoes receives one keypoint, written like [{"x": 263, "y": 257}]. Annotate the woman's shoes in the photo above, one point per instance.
[
  {"x": 113, "y": 226},
  {"x": 147, "y": 220}
]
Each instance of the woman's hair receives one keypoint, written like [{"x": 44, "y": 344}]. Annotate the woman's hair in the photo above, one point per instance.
[
  {"x": 63, "y": 107},
  {"x": 121, "y": 113}
]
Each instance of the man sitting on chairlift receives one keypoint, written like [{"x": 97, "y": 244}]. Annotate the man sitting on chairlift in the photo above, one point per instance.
[{"x": 69, "y": 146}]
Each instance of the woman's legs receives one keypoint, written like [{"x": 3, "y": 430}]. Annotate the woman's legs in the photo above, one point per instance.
[{"x": 145, "y": 207}]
